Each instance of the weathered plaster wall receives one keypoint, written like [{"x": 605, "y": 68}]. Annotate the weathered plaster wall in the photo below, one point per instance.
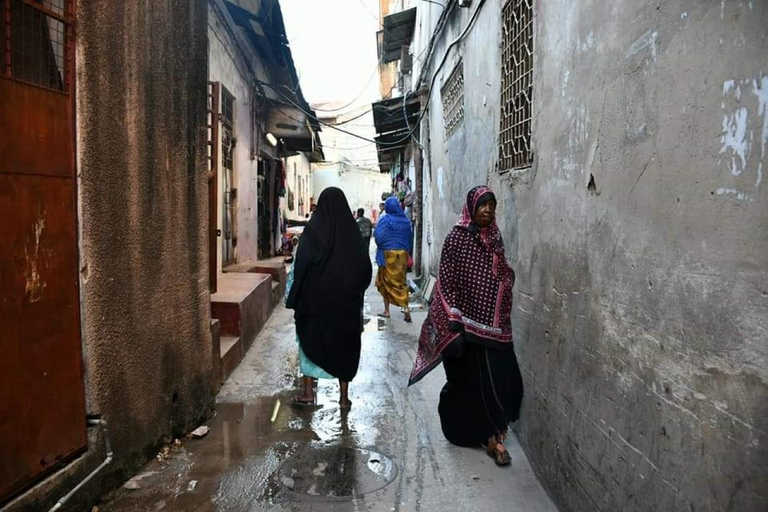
[
  {"x": 640, "y": 304},
  {"x": 226, "y": 67},
  {"x": 142, "y": 78},
  {"x": 298, "y": 179},
  {"x": 363, "y": 188}
]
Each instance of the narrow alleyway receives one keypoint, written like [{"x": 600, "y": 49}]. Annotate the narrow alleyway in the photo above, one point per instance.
[{"x": 387, "y": 453}]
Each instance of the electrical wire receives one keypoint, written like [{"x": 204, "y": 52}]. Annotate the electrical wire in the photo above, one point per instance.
[
  {"x": 405, "y": 138},
  {"x": 350, "y": 103}
]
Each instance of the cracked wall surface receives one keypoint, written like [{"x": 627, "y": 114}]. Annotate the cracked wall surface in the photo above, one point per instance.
[{"x": 640, "y": 241}]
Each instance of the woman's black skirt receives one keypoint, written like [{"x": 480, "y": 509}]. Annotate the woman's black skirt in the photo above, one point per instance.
[{"x": 483, "y": 392}]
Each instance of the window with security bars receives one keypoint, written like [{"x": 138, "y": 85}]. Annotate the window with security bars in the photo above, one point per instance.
[
  {"x": 452, "y": 94},
  {"x": 37, "y": 41},
  {"x": 228, "y": 124},
  {"x": 516, "y": 85}
]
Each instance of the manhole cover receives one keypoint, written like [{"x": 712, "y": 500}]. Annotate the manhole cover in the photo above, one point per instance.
[{"x": 336, "y": 472}]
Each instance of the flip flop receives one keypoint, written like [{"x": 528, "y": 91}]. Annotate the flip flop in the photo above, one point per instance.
[
  {"x": 408, "y": 318},
  {"x": 383, "y": 315},
  {"x": 299, "y": 400}
]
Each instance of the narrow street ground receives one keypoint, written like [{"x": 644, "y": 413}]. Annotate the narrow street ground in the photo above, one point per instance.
[{"x": 386, "y": 454}]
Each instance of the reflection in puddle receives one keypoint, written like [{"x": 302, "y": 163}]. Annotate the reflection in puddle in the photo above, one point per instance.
[{"x": 336, "y": 472}]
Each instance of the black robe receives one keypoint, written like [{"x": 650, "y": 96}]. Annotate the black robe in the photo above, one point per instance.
[{"x": 331, "y": 273}]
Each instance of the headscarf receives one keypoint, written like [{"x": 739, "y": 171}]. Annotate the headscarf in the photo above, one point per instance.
[
  {"x": 331, "y": 273},
  {"x": 473, "y": 293},
  {"x": 393, "y": 231}
]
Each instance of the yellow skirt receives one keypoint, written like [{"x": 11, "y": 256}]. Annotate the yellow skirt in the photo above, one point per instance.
[{"x": 390, "y": 280}]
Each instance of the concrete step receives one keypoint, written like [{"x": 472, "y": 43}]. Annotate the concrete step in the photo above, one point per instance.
[
  {"x": 215, "y": 352},
  {"x": 231, "y": 353},
  {"x": 242, "y": 304}
]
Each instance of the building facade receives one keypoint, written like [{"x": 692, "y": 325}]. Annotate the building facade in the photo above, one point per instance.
[
  {"x": 138, "y": 141},
  {"x": 626, "y": 144}
]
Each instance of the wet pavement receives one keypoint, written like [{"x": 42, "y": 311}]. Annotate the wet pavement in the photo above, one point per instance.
[{"x": 385, "y": 454}]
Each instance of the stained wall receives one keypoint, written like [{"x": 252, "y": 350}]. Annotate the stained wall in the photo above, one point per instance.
[{"x": 641, "y": 300}]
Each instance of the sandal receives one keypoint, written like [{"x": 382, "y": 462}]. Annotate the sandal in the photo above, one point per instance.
[
  {"x": 408, "y": 318},
  {"x": 345, "y": 406},
  {"x": 300, "y": 400},
  {"x": 383, "y": 315},
  {"x": 499, "y": 457}
]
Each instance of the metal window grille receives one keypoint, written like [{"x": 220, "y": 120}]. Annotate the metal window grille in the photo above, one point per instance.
[
  {"x": 228, "y": 132},
  {"x": 516, "y": 85},
  {"x": 452, "y": 94},
  {"x": 37, "y": 41}
]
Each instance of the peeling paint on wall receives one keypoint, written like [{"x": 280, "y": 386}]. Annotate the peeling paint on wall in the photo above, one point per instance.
[
  {"x": 760, "y": 89},
  {"x": 734, "y": 139},
  {"x": 35, "y": 284},
  {"x": 744, "y": 105}
]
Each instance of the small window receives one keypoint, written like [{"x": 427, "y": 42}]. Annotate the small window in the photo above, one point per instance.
[
  {"x": 452, "y": 94},
  {"x": 38, "y": 42},
  {"x": 516, "y": 85}
]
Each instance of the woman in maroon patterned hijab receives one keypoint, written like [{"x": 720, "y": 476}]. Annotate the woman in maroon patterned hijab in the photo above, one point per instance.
[{"x": 469, "y": 330}]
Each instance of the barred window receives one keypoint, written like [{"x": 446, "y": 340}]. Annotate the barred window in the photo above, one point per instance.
[
  {"x": 516, "y": 85},
  {"x": 36, "y": 37},
  {"x": 453, "y": 100},
  {"x": 228, "y": 132}
]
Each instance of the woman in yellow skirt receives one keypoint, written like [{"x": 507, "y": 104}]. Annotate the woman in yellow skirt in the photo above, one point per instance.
[{"x": 394, "y": 243}]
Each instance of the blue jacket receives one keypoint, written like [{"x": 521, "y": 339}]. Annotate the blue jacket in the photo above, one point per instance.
[{"x": 393, "y": 231}]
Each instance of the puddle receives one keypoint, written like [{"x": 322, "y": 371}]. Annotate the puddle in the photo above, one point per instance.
[{"x": 331, "y": 473}]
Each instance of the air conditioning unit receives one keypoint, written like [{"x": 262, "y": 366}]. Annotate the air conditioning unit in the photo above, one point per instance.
[{"x": 406, "y": 61}]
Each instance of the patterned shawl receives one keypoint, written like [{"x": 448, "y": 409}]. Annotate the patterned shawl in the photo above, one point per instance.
[{"x": 473, "y": 293}]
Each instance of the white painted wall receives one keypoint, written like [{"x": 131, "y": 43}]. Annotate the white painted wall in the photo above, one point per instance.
[
  {"x": 298, "y": 180},
  {"x": 363, "y": 188}
]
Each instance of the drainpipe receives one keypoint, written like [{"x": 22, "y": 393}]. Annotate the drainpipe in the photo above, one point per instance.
[{"x": 93, "y": 423}]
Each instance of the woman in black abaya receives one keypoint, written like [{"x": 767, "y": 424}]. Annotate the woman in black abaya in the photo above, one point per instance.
[{"x": 331, "y": 273}]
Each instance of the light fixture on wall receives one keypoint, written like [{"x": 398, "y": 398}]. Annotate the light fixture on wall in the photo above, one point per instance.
[{"x": 271, "y": 139}]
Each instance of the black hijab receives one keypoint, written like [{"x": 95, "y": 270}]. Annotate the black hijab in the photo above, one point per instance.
[{"x": 331, "y": 273}]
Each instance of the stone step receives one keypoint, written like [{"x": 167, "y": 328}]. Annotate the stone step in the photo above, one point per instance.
[{"x": 231, "y": 353}]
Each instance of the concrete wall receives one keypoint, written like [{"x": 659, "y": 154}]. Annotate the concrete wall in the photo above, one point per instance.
[
  {"x": 226, "y": 67},
  {"x": 363, "y": 188},
  {"x": 298, "y": 179},
  {"x": 641, "y": 304},
  {"x": 340, "y": 146},
  {"x": 142, "y": 78}
]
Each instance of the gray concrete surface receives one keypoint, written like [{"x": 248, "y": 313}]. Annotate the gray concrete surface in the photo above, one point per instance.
[
  {"x": 241, "y": 465},
  {"x": 641, "y": 302}
]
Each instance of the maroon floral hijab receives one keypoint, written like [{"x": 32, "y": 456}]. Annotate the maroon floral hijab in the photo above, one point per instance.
[{"x": 473, "y": 294}]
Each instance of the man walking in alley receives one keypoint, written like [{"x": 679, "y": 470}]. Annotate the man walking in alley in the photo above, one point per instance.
[{"x": 365, "y": 226}]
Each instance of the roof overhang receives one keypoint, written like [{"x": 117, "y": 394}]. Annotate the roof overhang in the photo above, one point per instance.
[
  {"x": 395, "y": 120},
  {"x": 397, "y": 32}
]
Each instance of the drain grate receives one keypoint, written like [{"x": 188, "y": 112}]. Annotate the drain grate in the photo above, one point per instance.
[{"x": 331, "y": 473}]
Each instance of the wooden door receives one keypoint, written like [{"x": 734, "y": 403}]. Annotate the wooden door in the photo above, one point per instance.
[{"x": 42, "y": 398}]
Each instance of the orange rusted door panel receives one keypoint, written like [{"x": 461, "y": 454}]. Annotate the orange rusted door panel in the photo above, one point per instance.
[{"x": 42, "y": 396}]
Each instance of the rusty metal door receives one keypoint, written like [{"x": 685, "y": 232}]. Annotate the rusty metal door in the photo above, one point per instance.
[{"x": 42, "y": 398}]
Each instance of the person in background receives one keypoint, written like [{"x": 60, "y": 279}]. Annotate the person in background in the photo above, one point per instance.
[
  {"x": 366, "y": 228},
  {"x": 394, "y": 243},
  {"x": 332, "y": 270},
  {"x": 469, "y": 329}
]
